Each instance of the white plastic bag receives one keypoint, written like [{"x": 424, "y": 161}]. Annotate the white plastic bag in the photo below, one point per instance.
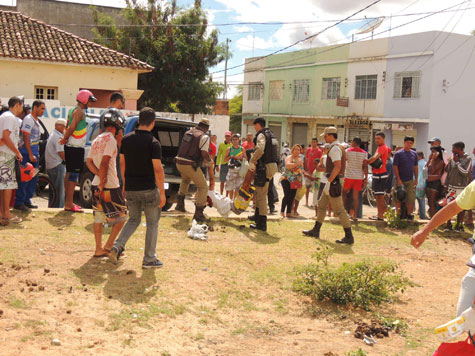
[
  {"x": 244, "y": 168},
  {"x": 198, "y": 232},
  {"x": 221, "y": 203}
]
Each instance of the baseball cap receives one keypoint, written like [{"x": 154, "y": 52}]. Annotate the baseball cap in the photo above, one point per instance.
[
  {"x": 228, "y": 133},
  {"x": 434, "y": 139},
  {"x": 329, "y": 130}
]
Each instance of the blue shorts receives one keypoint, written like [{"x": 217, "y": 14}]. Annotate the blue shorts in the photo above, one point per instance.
[
  {"x": 73, "y": 177},
  {"x": 223, "y": 172}
]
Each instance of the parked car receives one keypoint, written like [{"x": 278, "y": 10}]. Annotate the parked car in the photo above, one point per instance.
[{"x": 168, "y": 131}]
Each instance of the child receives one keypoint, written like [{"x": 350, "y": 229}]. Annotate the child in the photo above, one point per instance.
[{"x": 315, "y": 178}]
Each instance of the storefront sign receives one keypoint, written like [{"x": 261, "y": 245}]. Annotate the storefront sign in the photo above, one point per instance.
[{"x": 342, "y": 101}]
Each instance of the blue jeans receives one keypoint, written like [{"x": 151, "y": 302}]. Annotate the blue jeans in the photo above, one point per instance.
[
  {"x": 147, "y": 201},
  {"x": 422, "y": 207},
  {"x": 56, "y": 175},
  {"x": 26, "y": 190}
]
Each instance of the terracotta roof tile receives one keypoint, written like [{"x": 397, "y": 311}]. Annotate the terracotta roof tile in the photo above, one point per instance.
[{"x": 26, "y": 38}]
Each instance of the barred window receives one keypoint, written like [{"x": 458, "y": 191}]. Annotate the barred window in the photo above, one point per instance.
[
  {"x": 46, "y": 93},
  {"x": 254, "y": 91},
  {"x": 301, "y": 91},
  {"x": 331, "y": 88},
  {"x": 277, "y": 90},
  {"x": 366, "y": 86},
  {"x": 407, "y": 84}
]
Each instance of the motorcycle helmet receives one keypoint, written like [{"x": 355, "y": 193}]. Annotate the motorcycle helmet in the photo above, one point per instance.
[
  {"x": 112, "y": 116},
  {"x": 401, "y": 193},
  {"x": 85, "y": 96},
  {"x": 28, "y": 172}
]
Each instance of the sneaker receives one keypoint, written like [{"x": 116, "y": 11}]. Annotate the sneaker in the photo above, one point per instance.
[
  {"x": 31, "y": 206},
  {"x": 115, "y": 254},
  {"x": 459, "y": 228},
  {"x": 154, "y": 264},
  {"x": 21, "y": 207}
]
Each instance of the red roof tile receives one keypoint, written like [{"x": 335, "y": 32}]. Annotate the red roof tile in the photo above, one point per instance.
[{"x": 23, "y": 37}]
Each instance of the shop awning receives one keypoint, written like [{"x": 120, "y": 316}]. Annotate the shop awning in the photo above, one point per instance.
[{"x": 409, "y": 120}]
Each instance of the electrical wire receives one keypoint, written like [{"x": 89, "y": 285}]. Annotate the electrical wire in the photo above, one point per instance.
[
  {"x": 342, "y": 45},
  {"x": 300, "y": 41}
]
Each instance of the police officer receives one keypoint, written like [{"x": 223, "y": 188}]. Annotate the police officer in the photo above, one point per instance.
[
  {"x": 334, "y": 171},
  {"x": 192, "y": 154},
  {"x": 263, "y": 163}
]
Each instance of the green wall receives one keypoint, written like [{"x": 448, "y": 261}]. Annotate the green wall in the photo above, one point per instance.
[{"x": 315, "y": 105}]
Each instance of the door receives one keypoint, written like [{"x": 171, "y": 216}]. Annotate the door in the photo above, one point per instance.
[
  {"x": 299, "y": 134},
  {"x": 276, "y": 128}
]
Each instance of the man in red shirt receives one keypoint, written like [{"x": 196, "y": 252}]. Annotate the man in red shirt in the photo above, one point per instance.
[
  {"x": 249, "y": 143},
  {"x": 312, "y": 153},
  {"x": 380, "y": 175}
]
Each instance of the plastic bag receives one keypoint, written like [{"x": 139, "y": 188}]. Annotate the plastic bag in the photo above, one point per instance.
[
  {"x": 198, "y": 232},
  {"x": 222, "y": 204},
  {"x": 244, "y": 168}
]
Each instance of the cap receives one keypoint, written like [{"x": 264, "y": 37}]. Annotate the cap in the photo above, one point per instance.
[
  {"x": 329, "y": 130},
  {"x": 286, "y": 145},
  {"x": 434, "y": 139},
  {"x": 60, "y": 122},
  {"x": 204, "y": 121},
  {"x": 228, "y": 133}
]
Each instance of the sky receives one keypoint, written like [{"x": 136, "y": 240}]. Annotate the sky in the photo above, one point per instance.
[{"x": 308, "y": 17}]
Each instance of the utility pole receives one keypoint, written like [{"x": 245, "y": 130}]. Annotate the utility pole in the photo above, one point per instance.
[{"x": 226, "y": 69}]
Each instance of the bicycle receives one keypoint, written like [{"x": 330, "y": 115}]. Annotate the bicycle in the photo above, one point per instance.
[{"x": 45, "y": 189}]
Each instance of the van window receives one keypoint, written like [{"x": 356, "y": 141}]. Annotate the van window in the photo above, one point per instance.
[{"x": 169, "y": 138}]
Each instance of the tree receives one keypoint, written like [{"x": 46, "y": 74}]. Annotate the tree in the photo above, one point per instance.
[
  {"x": 235, "y": 112},
  {"x": 176, "y": 42}
]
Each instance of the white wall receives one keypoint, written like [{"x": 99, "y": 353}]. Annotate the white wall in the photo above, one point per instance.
[
  {"x": 253, "y": 72},
  {"x": 452, "y": 113},
  {"x": 366, "y": 59}
]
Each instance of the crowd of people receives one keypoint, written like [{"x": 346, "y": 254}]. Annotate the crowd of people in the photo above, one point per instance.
[{"x": 128, "y": 170}]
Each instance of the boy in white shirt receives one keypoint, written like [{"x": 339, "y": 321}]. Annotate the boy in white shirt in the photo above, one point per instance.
[{"x": 107, "y": 200}]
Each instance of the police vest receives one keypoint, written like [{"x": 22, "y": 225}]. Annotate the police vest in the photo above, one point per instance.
[
  {"x": 330, "y": 165},
  {"x": 190, "y": 145},
  {"x": 270, "y": 150}
]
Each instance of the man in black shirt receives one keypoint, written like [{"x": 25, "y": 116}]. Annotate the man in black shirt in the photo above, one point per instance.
[{"x": 142, "y": 173}]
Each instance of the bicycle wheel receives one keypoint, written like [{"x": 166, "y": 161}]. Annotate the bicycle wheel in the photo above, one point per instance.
[
  {"x": 45, "y": 189},
  {"x": 369, "y": 195}
]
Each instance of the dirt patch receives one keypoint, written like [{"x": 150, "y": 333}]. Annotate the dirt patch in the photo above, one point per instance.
[{"x": 231, "y": 295}]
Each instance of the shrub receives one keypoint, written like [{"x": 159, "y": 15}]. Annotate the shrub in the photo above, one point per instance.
[
  {"x": 358, "y": 352},
  {"x": 394, "y": 220},
  {"x": 361, "y": 284}
]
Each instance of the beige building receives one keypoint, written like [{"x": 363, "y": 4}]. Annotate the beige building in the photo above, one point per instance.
[{"x": 40, "y": 61}]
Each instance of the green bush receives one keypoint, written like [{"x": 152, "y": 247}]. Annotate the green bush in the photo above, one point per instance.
[
  {"x": 358, "y": 352},
  {"x": 362, "y": 284},
  {"x": 393, "y": 219}
]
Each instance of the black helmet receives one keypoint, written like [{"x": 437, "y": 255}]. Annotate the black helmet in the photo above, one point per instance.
[
  {"x": 401, "y": 193},
  {"x": 114, "y": 117}
]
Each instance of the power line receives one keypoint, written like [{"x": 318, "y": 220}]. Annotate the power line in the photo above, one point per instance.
[
  {"x": 305, "y": 39},
  {"x": 247, "y": 23},
  {"x": 344, "y": 44}
]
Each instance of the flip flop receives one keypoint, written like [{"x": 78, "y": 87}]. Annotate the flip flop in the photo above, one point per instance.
[
  {"x": 15, "y": 220},
  {"x": 75, "y": 209},
  {"x": 101, "y": 255},
  {"x": 4, "y": 221},
  {"x": 377, "y": 218}
]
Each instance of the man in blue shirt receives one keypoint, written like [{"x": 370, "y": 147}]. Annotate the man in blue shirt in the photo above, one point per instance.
[
  {"x": 29, "y": 149},
  {"x": 406, "y": 170}
]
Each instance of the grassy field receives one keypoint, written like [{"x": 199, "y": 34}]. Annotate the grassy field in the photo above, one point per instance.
[{"x": 231, "y": 295}]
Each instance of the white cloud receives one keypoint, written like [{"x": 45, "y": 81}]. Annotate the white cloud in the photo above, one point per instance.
[
  {"x": 243, "y": 28},
  {"x": 248, "y": 43}
]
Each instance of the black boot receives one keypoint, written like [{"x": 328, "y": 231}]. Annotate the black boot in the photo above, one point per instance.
[
  {"x": 348, "y": 239},
  {"x": 199, "y": 215},
  {"x": 261, "y": 223},
  {"x": 180, "y": 204},
  {"x": 254, "y": 217},
  {"x": 315, "y": 232}
]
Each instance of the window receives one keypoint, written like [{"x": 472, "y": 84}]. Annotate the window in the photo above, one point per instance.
[
  {"x": 46, "y": 93},
  {"x": 406, "y": 85},
  {"x": 301, "y": 91},
  {"x": 254, "y": 91},
  {"x": 331, "y": 88},
  {"x": 366, "y": 86},
  {"x": 277, "y": 90}
]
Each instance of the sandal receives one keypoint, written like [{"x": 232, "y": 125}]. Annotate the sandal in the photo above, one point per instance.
[
  {"x": 15, "y": 220},
  {"x": 376, "y": 218},
  {"x": 4, "y": 221},
  {"x": 75, "y": 209}
]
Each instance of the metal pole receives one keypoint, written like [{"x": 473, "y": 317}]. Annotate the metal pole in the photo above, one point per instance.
[{"x": 226, "y": 70}]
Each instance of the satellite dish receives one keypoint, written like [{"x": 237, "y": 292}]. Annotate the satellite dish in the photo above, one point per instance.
[{"x": 371, "y": 25}]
